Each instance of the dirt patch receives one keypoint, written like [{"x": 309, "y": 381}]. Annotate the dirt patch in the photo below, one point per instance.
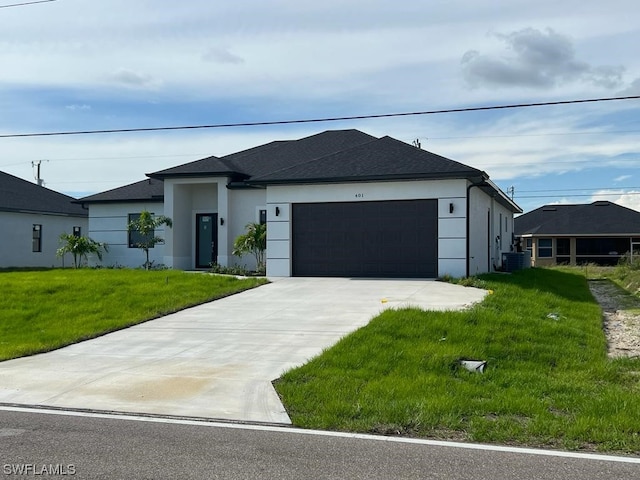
[{"x": 621, "y": 318}]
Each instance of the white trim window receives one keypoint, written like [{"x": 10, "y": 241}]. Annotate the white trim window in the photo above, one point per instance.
[{"x": 545, "y": 248}]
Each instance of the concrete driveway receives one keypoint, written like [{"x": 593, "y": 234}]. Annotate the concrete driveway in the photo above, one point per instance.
[{"x": 216, "y": 360}]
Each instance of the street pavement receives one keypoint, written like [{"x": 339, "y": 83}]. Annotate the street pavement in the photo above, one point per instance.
[{"x": 116, "y": 447}]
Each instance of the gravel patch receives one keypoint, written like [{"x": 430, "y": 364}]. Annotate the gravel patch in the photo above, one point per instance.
[{"x": 621, "y": 318}]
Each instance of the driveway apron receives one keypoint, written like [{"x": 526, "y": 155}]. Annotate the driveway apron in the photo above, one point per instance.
[{"x": 217, "y": 360}]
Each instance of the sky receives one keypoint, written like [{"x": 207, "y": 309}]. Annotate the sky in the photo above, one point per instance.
[{"x": 68, "y": 65}]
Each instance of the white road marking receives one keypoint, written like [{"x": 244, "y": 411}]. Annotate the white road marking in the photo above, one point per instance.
[{"x": 285, "y": 429}]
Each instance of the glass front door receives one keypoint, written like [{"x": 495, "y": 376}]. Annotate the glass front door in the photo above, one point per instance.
[{"x": 206, "y": 239}]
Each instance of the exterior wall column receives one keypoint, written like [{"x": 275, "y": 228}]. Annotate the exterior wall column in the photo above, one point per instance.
[
  {"x": 572, "y": 250},
  {"x": 168, "y": 232},
  {"x": 225, "y": 245}
]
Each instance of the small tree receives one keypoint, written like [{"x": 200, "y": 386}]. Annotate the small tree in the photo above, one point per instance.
[
  {"x": 80, "y": 248},
  {"x": 145, "y": 226},
  {"x": 254, "y": 242}
]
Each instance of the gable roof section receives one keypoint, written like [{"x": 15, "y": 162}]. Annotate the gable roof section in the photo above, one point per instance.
[
  {"x": 597, "y": 218},
  {"x": 18, "y": 195},
  {"x": 381, "y": 159},
  {"x": 269, "y": 157},
  {"x": 150, "y": 189},
  {"x": 210, "y": 166}
]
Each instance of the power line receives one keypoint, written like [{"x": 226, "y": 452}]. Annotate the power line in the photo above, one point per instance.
[
  {"x": 579, "y": 189},
  {"x": 535, "y": 134},
  {"x": 319, "y": 120},
  {"x": 25, "y": 3},
  {"x": 518, "y": 197}
]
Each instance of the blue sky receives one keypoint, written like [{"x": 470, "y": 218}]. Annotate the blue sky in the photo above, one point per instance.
[{"x": 107, "y": 64}]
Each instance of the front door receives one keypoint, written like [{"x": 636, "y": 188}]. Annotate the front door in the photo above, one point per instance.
[{"x": 206, "y": 239}]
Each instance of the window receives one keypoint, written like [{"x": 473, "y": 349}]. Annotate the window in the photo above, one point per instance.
[
  {"x": 529, "y": 244},
  {"x": 77, "y": 231},
  {"x": 36, "y": 245},
  {"x": 563, "y": 250},
  {"x": 263, "y": 217},
  {"x": 545, "y": 248},
  {"x": 135, "y": 238},
  {"x": 563, "y": 246}
]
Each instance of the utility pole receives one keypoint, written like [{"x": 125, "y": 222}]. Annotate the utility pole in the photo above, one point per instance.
[
  {"x": 36, "y": 165},
  {"x": 511, "y": 191}
]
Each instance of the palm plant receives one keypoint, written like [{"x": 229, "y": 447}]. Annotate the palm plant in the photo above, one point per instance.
[
  {"x": 253, "y": 242},
  {"x": 80, "y": 247}
]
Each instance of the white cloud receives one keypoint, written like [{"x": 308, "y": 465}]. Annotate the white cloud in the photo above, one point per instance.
[
  {"x": 76, "y": 107},
  {"x": 221, "y": 55},
  {"x": 629, "y": 198},
  {"x": 131, "y": 79},
  {"x": 539, "y": 59},
  {"x": 622, "y": 178}
]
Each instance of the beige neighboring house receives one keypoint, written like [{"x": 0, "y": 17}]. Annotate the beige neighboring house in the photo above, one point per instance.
[
  {"x": 600, "y": 232},
  {"x": 32, "y": 218}
]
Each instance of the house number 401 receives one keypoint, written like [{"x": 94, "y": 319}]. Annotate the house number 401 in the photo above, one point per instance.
[{"x": 359, "y": 195}]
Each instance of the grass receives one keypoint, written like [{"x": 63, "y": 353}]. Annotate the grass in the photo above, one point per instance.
[
  {"x": 548, "y": 380},
  {"x": 627, "y": 275},
  {"x": 47, "y": 309}
]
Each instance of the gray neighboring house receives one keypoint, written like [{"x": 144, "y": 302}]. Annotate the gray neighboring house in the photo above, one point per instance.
[
  {"x": 600, "y": 232},
  {"x": 32, "y": 218},
  {"x": 339, "y": 203}
]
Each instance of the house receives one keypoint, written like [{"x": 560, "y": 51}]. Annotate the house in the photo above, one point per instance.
[
  {"x": 32, "y": 218},
  {"x": 110, "y": 213},
  {"x": 600, "y": 232},
  {"x": 338, "y": 203}
]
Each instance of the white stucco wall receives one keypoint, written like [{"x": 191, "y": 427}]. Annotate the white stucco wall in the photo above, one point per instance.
[
  {"x": 244, "y": 208},
  {"x": 451, "y": 225},
  {"x": 488, "y": 236},
  {"x": 17, "y": 234},
  {"x": 108, "y": 223},
  {"x": 479, "y": 234},
  {"x": 183, "y": 199}
]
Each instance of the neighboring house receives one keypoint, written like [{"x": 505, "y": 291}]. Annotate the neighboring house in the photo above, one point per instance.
[
  {"x": 338, "y": 203},
  {"x": 599, "y": 232},
  {"x": 110, "y": 213},
  {"x": 32, "y": 218}
]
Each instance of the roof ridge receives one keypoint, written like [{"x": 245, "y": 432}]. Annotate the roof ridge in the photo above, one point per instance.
[
  {"x": 316, "y": 159},
  {"x": 560, "y": 214}
]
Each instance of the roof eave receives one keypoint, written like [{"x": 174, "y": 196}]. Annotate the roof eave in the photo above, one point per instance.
[
  {"x": 500, "y": 196},
  {"x": 121, "y": 200},
  {"x": 164, "y": 176},
  {"x": 367, "y": 178}
]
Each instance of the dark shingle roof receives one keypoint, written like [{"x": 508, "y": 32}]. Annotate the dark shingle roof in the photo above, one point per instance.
[
  {"x": 272, "y": 157},
  {"x": 210, "y": 166},
  {"x": 18, "y": 195},
  {"x": 269, "y": 157},
  {"x": 597, "y": 218},
  {"x": 380, "y": 159},
  {"x": 144, "y": 190},
  {"x": 330, "y": 156}
]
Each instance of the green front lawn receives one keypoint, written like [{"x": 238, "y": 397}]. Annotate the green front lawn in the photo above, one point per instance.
[
  {"x": 45, "y": 310},
  {"x": 548, "y": 380}
]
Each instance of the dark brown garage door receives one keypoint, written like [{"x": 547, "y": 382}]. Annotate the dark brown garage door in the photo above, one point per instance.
[{"x": 366, "y": 239}]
